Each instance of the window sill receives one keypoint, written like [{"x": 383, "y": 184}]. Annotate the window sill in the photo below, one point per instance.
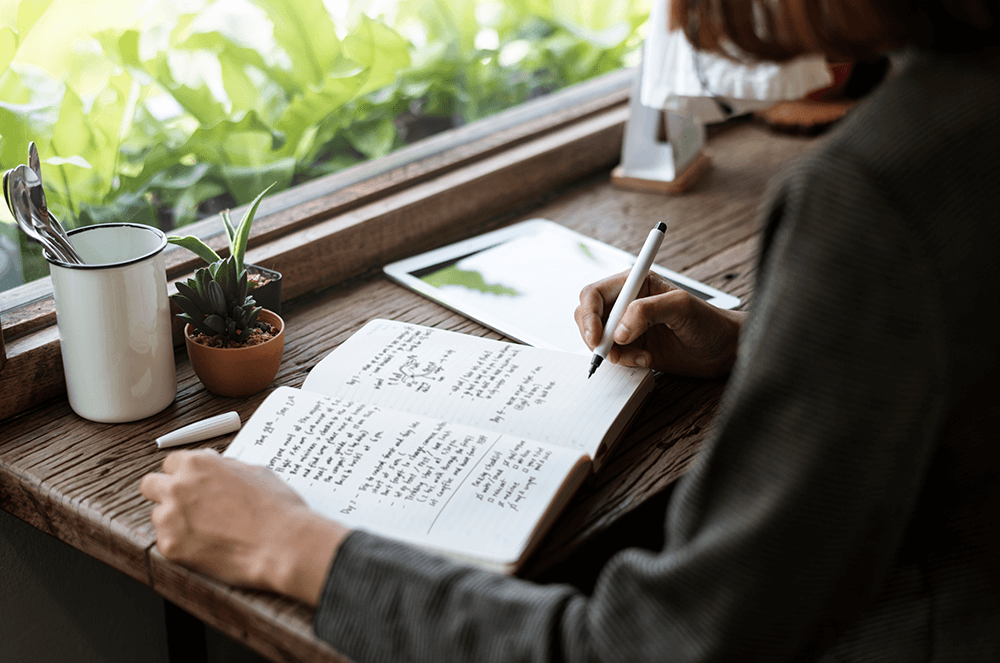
[{"x": 446, "y": 188}]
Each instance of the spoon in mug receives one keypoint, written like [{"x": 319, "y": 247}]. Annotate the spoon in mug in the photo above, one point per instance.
[
  {"x": 33, "y": 160},
  {"x": 6, "y": 196},
  {"x": 20, "y": 205},
  {"x": 40, "y": 219},
  {"x": 31, "y": 223},
  {"x": 39, "y": 198}
]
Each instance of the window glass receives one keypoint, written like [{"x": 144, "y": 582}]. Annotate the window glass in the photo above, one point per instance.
[{"x": 167, "y": 111}]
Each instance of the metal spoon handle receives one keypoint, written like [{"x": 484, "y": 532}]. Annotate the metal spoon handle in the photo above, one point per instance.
[
  {"x": 33, "y": 235},
  {"x": 6, "y": 189},
  {"x": 35, "y": 163},
  {"x": 55, "y": 224},
  {"x": 39, "y": 217},
  {"x": 47, "y": 223},
  {"x": 64, "y": 238},
  {"x": 57, "y": 252},
  {"x": 65, "y": 248},
  {"x": 20, "y": 202}
]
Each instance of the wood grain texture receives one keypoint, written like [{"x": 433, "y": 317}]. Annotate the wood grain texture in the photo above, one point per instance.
[
  {"x": 682, "y": 181},
  {"x": 78, "y": 481},
  {"x": 33, "y": 372},
  {"x": 38, "y": 309}
]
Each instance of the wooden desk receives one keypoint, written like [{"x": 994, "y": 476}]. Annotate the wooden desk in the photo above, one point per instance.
[{"x": 78, "y": 480}]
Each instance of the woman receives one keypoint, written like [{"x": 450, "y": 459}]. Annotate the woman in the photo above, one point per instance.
[{"x": 847, "y": 506}]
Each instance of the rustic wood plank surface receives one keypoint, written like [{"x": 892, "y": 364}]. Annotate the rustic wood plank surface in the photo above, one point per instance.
[{"x": 78, "y": 480}]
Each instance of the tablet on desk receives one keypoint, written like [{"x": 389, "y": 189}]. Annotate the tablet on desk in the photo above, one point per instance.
[{"x": 524, "y": 281}]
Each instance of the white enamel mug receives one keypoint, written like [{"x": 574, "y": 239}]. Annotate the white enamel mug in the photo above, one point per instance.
[{"x": 114, "y": 323}]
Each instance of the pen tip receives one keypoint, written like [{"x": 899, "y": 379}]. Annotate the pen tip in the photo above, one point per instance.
[{"x": 594, "y": 363}]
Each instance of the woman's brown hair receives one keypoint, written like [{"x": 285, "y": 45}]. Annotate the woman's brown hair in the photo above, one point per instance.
[{"x": 840, "y": 29}]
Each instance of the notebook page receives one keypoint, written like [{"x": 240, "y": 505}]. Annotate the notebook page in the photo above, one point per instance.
[
  {"x": 509, "y": 388},
  {"x": 473, "y": 493}
]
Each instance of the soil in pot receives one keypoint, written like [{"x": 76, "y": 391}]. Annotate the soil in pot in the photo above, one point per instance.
[{"x": 262, "y": 332}]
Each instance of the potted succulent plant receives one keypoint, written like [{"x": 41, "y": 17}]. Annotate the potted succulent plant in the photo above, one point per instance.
[
  {"x": 235, "y": 346},
  {"x": 264, "y": 284}
]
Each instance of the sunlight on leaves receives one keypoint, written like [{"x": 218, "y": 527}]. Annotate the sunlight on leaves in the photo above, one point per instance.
[{"x": 164, "y": 111}]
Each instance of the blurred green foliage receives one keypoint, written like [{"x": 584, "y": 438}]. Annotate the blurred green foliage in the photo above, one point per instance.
[{"x": 165, "y": 124}]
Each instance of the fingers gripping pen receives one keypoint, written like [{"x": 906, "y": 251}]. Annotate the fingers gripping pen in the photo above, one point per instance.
[{"x": 628, "y": 293}]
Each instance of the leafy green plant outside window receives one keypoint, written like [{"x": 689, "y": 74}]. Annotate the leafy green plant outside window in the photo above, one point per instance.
[{"x": 167, "y": 123}]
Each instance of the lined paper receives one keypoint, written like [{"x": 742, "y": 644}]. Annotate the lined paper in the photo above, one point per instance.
[
  {"x": 447, "y": 486},
  {"x": 514, "y": 389}
]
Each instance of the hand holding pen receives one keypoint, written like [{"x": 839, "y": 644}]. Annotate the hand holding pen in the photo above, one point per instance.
[
  {"x": 628, "y": 293},
  {"x": 668, "y": 329}
]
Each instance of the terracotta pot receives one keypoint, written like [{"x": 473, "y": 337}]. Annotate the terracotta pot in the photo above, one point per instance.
[{"x": 238, "y": 372}]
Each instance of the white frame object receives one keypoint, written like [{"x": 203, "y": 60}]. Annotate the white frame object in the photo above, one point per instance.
[{"x": 653, "y": 165}]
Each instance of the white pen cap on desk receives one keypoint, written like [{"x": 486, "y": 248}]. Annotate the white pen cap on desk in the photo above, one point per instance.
[{"x": 201, "y": 430}]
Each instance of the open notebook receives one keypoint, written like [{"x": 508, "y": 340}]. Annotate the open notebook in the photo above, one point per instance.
[{"x": 456, "y": 443}]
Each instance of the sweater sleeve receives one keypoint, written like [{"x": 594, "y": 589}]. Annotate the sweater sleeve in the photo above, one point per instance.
[{"x": 789, "y": 522}]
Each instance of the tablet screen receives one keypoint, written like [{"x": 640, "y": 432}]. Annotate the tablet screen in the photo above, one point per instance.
[{"x": 524, "y": 282}]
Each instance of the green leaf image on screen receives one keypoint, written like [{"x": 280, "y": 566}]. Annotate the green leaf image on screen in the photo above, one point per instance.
[{"x": 452, "y": 275}]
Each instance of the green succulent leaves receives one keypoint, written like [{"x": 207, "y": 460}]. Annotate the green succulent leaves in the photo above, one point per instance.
[
  {"x": 237, "y": 236},
  {"x": 196, "y": 246},
  {"x": 215, "y": 301}
]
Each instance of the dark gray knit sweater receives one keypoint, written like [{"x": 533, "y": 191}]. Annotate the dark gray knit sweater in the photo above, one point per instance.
[{"x": 848, "y": 507}]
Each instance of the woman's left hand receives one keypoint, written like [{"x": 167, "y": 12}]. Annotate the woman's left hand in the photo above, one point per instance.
[{"x": 241, "y": 524}]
